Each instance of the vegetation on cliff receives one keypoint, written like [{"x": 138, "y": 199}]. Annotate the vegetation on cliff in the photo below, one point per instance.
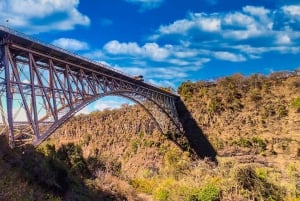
[{"x": 251, "y": 123}]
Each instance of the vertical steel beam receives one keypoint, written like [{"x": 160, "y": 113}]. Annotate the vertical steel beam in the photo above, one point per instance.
[
  {"x": 81, "y": 82},
  {"x": 4, "y": 121},
  {"x": 52, "y": 88},
  {"x": 69, "y": 87},
  {"x": 33, "y": 98},
  {"x": 9, "y": 96}
]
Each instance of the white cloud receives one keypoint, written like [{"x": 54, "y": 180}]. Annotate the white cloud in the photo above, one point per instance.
[
  {"x": 85, "y": 110},
  {"x": 256, "y": 11},
  {"x": 200, "y": 21},
  {"x": 292, "y": 10},
  {"x": 238, "y": 19},
  {"x": 178, "y": 27},
  {"x": 96, "y": 55},
  {"x": 256, "y": 51},
  {"x": 250, "y": 22},
  {"x": 107, "y": 102},
  {"x": 150, "y": 50},
  {"x": 110, "y": 102},
  {"x": 186, "y": 53},
  {"x": 179, "y": 62},
  {"x": 248, "y": 49},
  {"x": 34, "y": 16},
  {"x": 164, "y": 83},
  {"x": 70, "y": 44},
  {"x": 115, "y": 47},
  {"x": 173, "y": 72},
  {"x": 146, "y": 4},
  {"x": 207, "y": 23},
  {"x": 283, "y": 39},
  {"x": 133, "y": 70},
  {"x": 227, "y": 56}
]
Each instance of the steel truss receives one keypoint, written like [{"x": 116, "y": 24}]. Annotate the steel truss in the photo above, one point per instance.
[{"x": 39, "y": 92}]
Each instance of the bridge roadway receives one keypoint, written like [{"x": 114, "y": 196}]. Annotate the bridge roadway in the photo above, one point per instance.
[{"x": 42, "y": 86}]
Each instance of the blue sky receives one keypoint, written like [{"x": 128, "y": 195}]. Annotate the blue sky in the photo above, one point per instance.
[{"x": 167, "y": 41}]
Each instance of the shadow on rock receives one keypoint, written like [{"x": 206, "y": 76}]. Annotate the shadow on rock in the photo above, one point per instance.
[{"x": 196, "y": 139}]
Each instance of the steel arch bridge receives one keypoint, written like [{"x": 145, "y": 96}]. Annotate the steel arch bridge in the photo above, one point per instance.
[{"x": 42, "y": 86}]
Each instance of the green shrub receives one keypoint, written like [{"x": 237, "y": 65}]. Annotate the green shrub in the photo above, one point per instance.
[
  {"x": 149, "y": 143},
  {"x": 53, "y": 198},
  {"x": 143, "y": 185},
  {"x": 214, "y": 107},
  {"x": 296, "y": 103},
  {"x": 134, "y": 145},
  {"x": 259, "y": 143},
  {"x": 176, "y": 163},
  {"x": 243, "y": 142},
  {"x": 161, "y": 194},
  {"x": 208, "y": 193}
]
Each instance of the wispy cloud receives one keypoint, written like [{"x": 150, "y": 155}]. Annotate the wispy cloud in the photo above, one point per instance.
[
  {"x": 228, "y": 56},
  {"x": 36, "y": 16}
]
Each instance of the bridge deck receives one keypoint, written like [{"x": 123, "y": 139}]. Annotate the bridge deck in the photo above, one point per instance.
[{"x": 53, "y": 51}]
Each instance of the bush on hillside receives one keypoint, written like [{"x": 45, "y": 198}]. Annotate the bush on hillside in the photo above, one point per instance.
[
  {"x": 255, "y": 187},
  {"x": 186, "y": 89},
  {"x": 296, "y": 103}
]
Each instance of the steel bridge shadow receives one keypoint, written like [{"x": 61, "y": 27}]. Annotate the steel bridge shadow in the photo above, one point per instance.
[{"x": 194, "y": 134}]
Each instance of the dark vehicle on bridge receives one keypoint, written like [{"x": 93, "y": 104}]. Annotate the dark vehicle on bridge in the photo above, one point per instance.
[{"x": 139, "y": 78}]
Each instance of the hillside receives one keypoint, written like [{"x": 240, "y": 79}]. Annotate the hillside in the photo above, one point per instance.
[{"x": 252, "y": 124}]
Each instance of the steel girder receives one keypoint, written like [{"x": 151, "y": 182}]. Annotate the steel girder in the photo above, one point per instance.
[{"x": 39, "y": 92}]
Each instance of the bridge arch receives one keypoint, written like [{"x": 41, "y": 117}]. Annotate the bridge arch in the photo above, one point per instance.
[{"x": 162, "y": 126}]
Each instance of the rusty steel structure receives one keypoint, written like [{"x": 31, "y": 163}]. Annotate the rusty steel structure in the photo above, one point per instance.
[{"x": 42, "y": 86}]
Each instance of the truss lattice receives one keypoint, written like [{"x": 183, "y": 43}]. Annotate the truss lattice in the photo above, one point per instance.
[{"x": 42, "y": 86}]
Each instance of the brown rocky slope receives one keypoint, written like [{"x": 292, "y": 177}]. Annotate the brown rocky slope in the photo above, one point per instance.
[{"x": 253, "y": 124}]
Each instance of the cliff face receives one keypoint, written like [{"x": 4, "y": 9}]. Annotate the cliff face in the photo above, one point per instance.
[
  {"x": 247, "y": 120},
  {"x": 126, "y": 135},
  {"x": 254, "y": 119}
]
